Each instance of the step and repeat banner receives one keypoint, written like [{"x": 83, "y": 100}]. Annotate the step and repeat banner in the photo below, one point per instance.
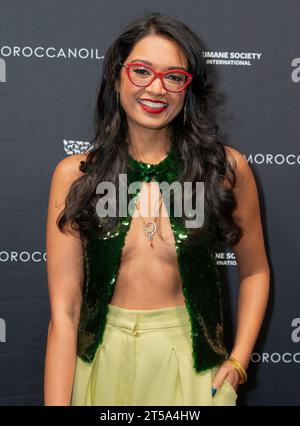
[{"x": 51, "y": 55}]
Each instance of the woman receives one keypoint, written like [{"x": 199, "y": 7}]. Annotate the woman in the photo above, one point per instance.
[{"x": 136, "y": 307}]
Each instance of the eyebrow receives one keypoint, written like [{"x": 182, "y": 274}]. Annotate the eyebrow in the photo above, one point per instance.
[{"x": 169, "y": 68}]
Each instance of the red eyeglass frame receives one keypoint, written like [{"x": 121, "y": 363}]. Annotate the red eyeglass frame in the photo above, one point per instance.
[{"x": 159, "y": 75}]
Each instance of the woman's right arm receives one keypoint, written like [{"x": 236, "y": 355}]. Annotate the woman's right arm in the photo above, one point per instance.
[{"x": 65, "y": 281}]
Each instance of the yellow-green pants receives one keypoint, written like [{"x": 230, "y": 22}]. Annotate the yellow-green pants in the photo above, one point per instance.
[{"x": 146, "y": 359}]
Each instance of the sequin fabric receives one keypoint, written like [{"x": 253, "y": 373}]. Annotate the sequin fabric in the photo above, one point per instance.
[{"x": 199, "y": 274}]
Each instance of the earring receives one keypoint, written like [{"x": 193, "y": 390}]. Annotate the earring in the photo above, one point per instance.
[
  {"x": 118, "y": 100},
  {"x": 184, "y": 115}
]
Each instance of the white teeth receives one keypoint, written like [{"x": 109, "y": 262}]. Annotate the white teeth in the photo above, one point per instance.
[{"x": 153, "y": 104}]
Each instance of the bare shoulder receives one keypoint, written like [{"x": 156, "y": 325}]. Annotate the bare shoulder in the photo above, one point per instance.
[
  {"x": 65, "y": 173},
  {"x": 240, "y": 165},
  {"x": 234, "y": 156},
  {"x": 67, "y": 169}
]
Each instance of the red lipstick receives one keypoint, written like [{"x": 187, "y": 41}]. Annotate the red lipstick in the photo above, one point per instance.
[{"x": 150, "y": 109}]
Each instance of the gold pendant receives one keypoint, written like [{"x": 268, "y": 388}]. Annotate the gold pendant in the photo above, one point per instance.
[{"x": 150, "y": 229}]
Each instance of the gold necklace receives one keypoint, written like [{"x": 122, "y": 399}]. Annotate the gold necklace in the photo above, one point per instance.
[{"x": 150, "y": 226}]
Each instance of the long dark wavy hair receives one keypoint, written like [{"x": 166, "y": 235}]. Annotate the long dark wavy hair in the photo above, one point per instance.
[{"x": 203, "y": 155}]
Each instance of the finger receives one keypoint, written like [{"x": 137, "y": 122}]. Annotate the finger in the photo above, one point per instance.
[{"x": 217, "y": 382}]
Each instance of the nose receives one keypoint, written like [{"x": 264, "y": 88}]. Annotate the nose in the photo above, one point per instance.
[{"x": 157, "y": 87}]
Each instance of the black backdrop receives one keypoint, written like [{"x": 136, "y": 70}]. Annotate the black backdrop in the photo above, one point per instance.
[{"x": 50, "y": 65}]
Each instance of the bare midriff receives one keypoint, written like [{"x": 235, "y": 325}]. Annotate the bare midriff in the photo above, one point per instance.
[{"x": 148, "y": 277}]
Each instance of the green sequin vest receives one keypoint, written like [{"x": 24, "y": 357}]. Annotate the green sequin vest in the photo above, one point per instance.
[{"x": 197, "y": 267}]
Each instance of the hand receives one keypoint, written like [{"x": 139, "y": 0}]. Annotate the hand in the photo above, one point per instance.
[{"x": 228, "y": 372}]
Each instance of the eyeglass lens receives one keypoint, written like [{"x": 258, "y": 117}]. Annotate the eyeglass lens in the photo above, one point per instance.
[{"x": 142, "y": 76}]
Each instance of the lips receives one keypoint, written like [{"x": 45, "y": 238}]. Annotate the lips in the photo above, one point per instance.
[{"x": 152, "y": 110}]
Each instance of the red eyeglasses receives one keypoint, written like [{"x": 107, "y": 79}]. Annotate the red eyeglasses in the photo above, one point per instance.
[{"x": 143, "y": 75}]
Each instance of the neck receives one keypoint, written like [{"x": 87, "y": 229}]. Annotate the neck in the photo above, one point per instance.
[{"x": 148, "y": 145}]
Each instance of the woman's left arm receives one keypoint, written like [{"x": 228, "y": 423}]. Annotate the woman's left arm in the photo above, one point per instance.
[{"x": 254, "y": 271}]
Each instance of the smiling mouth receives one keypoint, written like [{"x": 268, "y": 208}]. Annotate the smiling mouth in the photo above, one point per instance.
[{"x": 153, "y": 107}]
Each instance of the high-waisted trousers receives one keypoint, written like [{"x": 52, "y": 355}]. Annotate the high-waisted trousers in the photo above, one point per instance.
[{"x": 146, "y": 359}]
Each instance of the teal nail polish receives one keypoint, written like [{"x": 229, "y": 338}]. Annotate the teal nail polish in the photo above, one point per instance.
[{"x": 213, "y": 391}]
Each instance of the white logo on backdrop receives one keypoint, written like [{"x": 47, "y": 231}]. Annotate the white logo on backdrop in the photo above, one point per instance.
[
  {"x": 23, "y": 256},
  {"x": 2, "y": 330},
  {"x": 50, "y": 52},
  {"x": 76, "y": 147},
  {"x": 2, "y": 71},
  {"x": 225, "y": 259},
  {"x": 231, "y": 58},
  {"x": 295, "y": 75},
  {"x": 275, "y": 357},
  {"x": 286, "y": 357},
  {"x": 273, "y": 159}
]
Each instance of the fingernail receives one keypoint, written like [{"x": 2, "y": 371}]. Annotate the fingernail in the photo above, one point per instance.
[{"x": 213, "y": 391}]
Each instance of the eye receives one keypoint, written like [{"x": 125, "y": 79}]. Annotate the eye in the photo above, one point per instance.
[
  {"x": 175, "y": 77},
  {"x": 141, "y": 71}
]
